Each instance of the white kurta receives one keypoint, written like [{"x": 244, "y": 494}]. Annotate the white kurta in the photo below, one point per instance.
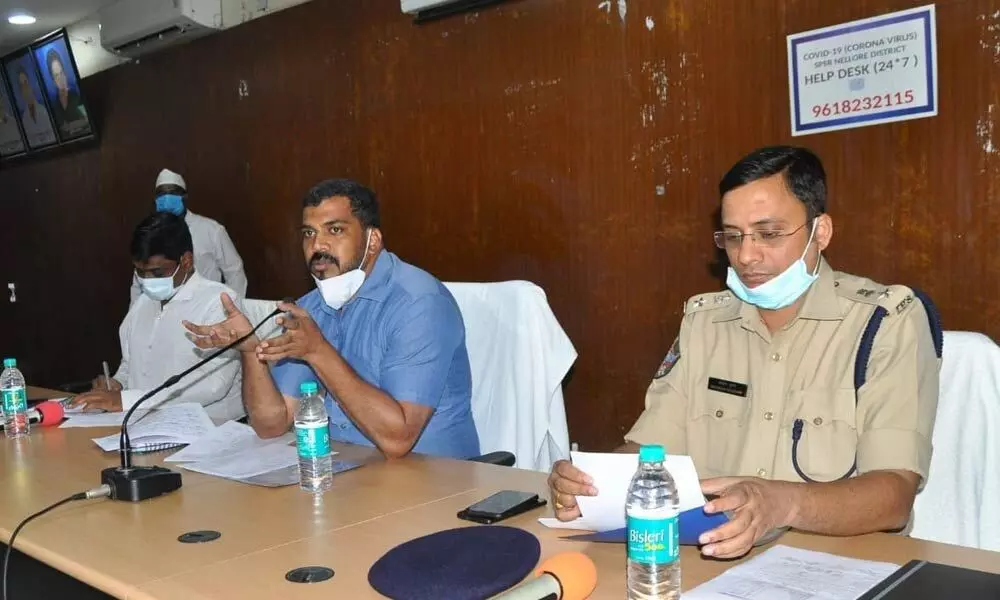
[{"x": 155, "y": 347}]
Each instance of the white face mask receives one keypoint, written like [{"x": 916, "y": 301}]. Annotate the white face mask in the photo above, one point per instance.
[
  {"x": 336, "y": 291},
  {"x": 160, "y": 288}
]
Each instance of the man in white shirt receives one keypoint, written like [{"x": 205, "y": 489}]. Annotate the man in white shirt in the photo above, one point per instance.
[
  {"x": 10, "y": 135},
  {"x": 34, "y": 118},
  {"x": 154, "y": 341},
  {"x": 215, "y": 256}
]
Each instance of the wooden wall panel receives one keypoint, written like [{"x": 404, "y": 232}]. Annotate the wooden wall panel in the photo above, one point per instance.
[{"x": 548, "y": 140}]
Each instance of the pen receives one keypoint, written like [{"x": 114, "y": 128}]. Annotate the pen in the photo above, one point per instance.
[{"x": 107, "y": 376}]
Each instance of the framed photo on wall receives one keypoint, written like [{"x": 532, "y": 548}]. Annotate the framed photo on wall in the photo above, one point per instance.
[
  {"x": 61, "y": 84},
  {"x": 29, "y": 100},
  {"x": 11, "y": 141}
]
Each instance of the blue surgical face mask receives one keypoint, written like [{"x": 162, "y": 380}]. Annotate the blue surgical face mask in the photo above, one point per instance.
[
  {"x": 171, "y": 203},
  {"x": 780, "y": 291}
]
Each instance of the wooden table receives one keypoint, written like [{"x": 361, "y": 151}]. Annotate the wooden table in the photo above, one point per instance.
[
  {"x": 39, "y": 393},
  {"x": 131, "y": 550}
]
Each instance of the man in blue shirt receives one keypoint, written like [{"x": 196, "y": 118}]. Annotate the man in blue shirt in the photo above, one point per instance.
[{"x": 384, "y": 338}]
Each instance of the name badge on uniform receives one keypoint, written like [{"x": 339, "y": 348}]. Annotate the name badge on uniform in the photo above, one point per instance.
[{"x": 728, "y": 387}]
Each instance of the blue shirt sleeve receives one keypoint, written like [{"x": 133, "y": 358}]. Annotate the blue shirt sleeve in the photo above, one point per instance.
[
  {"x": 422, "y": 342},
  {"x": 288, "y": 374}
]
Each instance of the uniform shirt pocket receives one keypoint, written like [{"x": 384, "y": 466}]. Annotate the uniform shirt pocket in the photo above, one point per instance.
[
  {"x": 717, "y": 431},
  {"x": 828, "y": 442}
]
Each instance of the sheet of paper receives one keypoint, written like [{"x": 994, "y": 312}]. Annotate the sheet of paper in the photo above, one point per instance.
[
  {"x": 786, "y": 573},
  {"x": 248, "y": 463},
  {"x": 76, "y": 418},
  {"x": 174, "y": 423},
  {"x": 226, "y": 440},
  {"x": 612, "y": 474}
]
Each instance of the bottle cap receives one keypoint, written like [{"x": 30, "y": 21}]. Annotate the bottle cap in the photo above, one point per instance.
[
  {"x": 652, "y": 453},
  {"x": 308, "y": 387},
  {"x": 9, "y": 363}
]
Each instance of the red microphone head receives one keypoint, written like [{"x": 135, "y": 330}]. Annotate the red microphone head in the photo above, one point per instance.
[
  {"x": 52, "y": 413},
  {"x": 575, "y": 571}
]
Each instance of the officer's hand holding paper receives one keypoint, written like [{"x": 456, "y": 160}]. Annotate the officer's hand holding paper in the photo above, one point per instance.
[{"x": 611, "y": 474}]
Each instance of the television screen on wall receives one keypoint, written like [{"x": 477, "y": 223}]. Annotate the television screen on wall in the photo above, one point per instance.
[
  {"x": 41, "y": 100},
  {"x": 11, "y": 139},
  {"x": 29, "y": 100},
  {"x": 61, "y": 84}
]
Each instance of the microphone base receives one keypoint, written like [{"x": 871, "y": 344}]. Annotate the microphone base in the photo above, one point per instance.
[{"x": 140, "y": 483}]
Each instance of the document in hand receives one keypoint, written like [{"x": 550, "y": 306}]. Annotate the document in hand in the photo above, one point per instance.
[
  {"x": 605, "y": 513},
  {"x": 162, "y": 428}
]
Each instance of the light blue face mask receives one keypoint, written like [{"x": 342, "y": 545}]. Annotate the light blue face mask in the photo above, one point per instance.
[
  {"x": 171, "y": 203},
  {"x": 780, "y": 291},
  {"x": 159, "y": 288}
]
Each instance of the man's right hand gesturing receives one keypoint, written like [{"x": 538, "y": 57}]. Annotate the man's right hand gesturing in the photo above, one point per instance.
[{"x": 225, "y": 332}]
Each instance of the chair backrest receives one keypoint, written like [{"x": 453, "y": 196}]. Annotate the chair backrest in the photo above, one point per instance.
[
  {"x": 958, "y": 502},
  {"x": 257, "y": 311},
  {"x": 519, "y": 356}
]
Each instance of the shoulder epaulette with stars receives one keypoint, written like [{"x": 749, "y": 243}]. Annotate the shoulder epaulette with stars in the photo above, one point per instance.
[
  {"x": 709, "y": 301},
  {"x": 894, "y": 298}
]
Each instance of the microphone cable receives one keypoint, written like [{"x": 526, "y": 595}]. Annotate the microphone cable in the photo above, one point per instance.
[{"x": 98, "y": 492}]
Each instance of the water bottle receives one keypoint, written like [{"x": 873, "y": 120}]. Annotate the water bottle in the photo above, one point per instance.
[
  {"x": 312, "y": 436},
  {"x": 654, "y": 566},
  {"x": 15, "y": 400}
]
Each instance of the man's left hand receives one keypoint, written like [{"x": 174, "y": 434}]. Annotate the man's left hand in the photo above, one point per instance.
[
  {"x": 757, "y": 506},
  {"x": 302, "y": 338},
  {"x": 98, "y": 399}
]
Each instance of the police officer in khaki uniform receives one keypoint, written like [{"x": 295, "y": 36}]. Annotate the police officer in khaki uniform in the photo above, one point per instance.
[{"x": 773, "y": 360}]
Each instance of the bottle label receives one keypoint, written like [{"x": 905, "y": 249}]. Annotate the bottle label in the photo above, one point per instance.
[
  {"x": 312, "y": 439},
  {"x": 14, "y": 400},
  {"x": 653, "y": 541}
]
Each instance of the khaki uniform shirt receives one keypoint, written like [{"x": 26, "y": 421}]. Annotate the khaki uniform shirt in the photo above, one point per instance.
[{"x": 729, "y": 392}]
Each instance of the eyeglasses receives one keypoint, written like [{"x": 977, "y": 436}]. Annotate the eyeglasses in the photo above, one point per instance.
[
  {"x": 733, "y": 240},
  {"x": 155, "y": 272}
]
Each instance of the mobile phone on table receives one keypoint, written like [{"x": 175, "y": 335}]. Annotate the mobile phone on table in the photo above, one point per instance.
[{"x": 500, "y": 506}]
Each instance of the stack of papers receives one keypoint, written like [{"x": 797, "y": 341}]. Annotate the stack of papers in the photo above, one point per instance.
[
  {"x": 229, "y": 439},
  {"x": 233, "y": 451},
  {"x": 248, "y": 463},
  {"x": 170, "y": 426},
  {"x": 80, "y": 416},
  {"x": 795, "y": 574}
]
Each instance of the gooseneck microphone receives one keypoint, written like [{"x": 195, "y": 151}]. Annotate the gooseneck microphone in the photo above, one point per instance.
[{"x": 135, "y": 484}]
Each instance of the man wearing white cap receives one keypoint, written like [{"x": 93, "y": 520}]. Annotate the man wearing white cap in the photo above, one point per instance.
[{"x": 215, "y": 256}]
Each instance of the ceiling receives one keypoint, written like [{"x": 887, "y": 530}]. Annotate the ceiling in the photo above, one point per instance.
[{"x": 51, "y": 15}]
